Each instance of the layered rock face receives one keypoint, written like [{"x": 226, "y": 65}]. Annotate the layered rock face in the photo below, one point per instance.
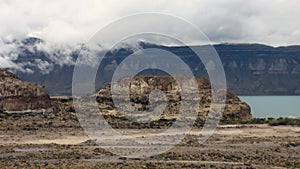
[
  {"x": 140, "y": 89},
  {"x": 17, "y": 95},
  {"x": 251, "y": 69}
]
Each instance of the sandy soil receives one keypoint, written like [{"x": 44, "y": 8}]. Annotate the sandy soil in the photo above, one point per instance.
[
  {"x": 57, "y": 141},
  {"x": 226, "y": 132}
]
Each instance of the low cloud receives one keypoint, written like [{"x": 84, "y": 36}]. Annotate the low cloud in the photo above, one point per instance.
[
  {"x": 44, "y": 66},
  {"x": 39, "y": 56},
  {"x": 58, "y": 54},
  {"x": 5, "y": 63}
]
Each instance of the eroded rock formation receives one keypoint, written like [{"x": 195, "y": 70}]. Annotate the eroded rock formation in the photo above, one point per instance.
[
  {"x": 142, "y": 86},
  {"x": 17, "y": 95}
]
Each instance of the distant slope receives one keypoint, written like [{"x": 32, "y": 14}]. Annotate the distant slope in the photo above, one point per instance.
[{"x": 251, "y": 69}]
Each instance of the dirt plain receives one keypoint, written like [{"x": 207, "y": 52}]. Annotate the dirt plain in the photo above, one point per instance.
[{"x": 55, "y": 139}]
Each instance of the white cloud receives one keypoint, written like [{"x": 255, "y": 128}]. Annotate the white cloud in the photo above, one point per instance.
[
  {"x": 8, "y": 53},
  {"x": 44, "y": 66},
  {"x": 64, "y": 21},
  {"x": 58, "y": 54},
  {"x": 5, "y": 63},
  {"x": 54, "y": 53}
]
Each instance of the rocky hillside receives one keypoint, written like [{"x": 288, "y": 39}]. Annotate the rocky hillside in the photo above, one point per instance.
[
  {"x": 17, "y": 95},
  {"x": 141, "y": 87}
]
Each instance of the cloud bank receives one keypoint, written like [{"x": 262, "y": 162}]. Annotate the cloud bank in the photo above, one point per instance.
[{"x": 273, "y": 22}]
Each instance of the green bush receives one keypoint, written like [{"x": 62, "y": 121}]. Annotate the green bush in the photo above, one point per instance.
[{"x": 285, "y": 121}]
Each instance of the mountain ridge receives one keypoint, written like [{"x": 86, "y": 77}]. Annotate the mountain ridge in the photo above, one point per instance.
[{"x": 250, "y": 69}]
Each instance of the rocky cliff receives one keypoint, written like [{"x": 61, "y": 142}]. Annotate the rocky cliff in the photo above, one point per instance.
[
  {"x": 17, "y": 95},
  {"x": 141, "y": 87}
]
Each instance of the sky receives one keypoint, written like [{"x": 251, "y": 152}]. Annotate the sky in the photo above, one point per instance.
[{"x": 272, "y": 22}]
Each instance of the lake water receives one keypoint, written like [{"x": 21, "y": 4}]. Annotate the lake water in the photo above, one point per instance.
[{"x": 273, "y": 106}]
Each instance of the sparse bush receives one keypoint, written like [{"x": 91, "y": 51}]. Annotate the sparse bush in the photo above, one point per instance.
[{"x": 285, "y": 121}]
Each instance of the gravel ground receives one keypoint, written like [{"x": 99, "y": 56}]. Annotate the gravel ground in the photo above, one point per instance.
[{"x": 56, "y": 140}]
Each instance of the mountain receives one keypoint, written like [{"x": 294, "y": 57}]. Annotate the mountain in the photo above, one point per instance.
[
  {"x": 48, "y": 64},
  {"x": 17, "y": 95},
  {"x": 251, "y": 69}
]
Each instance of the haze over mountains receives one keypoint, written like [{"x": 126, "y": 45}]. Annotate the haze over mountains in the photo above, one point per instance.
[{"x": 251, "y": 69}]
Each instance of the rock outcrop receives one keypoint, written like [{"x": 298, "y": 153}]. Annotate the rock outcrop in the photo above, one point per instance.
[
  {"x": 17, "y": 95},
  {"x": 142, "y": 86}
]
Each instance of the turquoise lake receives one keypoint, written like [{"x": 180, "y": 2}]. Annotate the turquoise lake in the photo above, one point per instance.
[{"x": 273, "y": 106}]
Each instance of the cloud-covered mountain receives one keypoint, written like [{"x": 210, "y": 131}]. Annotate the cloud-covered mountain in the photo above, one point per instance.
[{"x": 251, "y": 69}]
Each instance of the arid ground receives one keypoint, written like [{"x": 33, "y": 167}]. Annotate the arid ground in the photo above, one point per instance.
[{"x": 56, "y": 140}]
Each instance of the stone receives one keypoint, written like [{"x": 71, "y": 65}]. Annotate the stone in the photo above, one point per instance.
[{"x": 18, "y": 95}]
